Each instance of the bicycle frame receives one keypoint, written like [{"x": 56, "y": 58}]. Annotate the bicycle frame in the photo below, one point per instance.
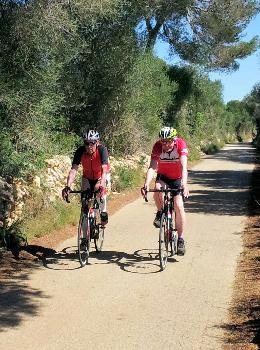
[
  {"x": 167, "y": 233},
  {"x": 168, "y": 200},
  {"x": 88, "y": 228}
]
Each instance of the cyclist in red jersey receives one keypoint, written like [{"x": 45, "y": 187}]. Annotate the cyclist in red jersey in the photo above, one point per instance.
[
  {"x": 169, "y": 159},
  {"x": 94, "y": 160}
]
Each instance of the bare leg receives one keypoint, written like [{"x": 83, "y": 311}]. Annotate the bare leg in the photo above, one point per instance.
[
  {"x": 180, "y": 214},
  {"x": 103, "y": 204},
  {"x": 158, "y": 196}
]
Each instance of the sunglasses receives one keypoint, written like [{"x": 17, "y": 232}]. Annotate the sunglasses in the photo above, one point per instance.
[
  {"x": 166, "y": 141},
  {"x": 88, "y": 143}
]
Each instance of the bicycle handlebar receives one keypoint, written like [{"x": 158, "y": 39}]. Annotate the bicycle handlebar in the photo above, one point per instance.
[
  {"x": 85, "y": 191},
  {"x": 166, "y": 190},
  {"x": 82, "y": 191}
]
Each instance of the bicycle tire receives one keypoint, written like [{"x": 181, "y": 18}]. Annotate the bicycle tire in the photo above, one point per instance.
[
  {"x": 83, "y": 239},
  {"x": 163, "y": 242}
]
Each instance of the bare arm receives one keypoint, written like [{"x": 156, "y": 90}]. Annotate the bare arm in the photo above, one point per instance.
[
  {"x": 150, "y": 173},
  {"x": 184, "y": 162},
  {"x": 103, "y": 177},
  {"x": 72, "y": 174}
]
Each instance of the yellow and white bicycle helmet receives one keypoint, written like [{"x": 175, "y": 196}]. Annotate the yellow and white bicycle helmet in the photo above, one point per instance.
[{"x": 167, "y": 133}]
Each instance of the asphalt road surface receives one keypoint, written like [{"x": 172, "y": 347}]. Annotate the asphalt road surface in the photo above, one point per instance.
[{"x": 122, "y": 300}]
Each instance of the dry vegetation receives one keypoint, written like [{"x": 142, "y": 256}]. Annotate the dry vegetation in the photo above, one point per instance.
[{"x": 243, "y": 329}]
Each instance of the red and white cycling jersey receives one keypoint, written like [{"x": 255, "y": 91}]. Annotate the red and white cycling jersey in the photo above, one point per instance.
[
  {"x": 169, "y": 163},
  {"x": 91, "y": 163}
]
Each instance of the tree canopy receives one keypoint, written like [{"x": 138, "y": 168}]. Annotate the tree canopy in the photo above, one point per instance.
[
  {"x": 205, "y": 32},
  {"x": 69, "y": 65}
]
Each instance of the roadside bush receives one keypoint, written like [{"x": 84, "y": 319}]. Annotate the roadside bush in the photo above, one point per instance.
[
  {"x": 127, "y": 177},
  {"x": 50, "y": 218},
  {"x": 211, "y": 148},
  {"x": 140, "y": 108}
]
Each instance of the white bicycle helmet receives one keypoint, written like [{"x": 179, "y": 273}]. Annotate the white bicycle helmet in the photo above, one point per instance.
[
  {"x": 167, "y": 133},
  {"x": 91, "y": 135}
]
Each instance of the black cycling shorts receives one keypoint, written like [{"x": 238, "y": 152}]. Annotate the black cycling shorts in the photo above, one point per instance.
[
  {"x": 92, "y": 183},
  {"x": 174, "y": 184}
]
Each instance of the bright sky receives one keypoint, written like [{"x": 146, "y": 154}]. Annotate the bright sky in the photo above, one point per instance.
[{"x": 238, "y": 84}]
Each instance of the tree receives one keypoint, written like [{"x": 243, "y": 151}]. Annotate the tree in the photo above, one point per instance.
[
  {"x": 252, "y": 102},
  {"x": 62, "y": 67},
  {"x": 244, "y": 123},
  {"x": 146, "y": 96},
  {"x": 206, "y": 32}
]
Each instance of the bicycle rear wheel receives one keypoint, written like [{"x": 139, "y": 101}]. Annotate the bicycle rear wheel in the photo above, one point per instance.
[
  {"x": 163, "y": 242},
  {"x": 99, "y": 233},
  {"x": 83, "y": 239}
]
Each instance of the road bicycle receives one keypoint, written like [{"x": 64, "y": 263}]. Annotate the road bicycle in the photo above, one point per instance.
[
  {"x": 168, "y": 237},
  {"x": 90, "y": 226}
]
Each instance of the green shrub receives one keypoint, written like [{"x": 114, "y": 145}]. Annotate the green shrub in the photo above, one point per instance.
[
  {"x": 127, "y": 177},
  {"x": 211, "y": 148},
  {"x": 51, "y": 218},
  {"x": 194, "y": 154}
]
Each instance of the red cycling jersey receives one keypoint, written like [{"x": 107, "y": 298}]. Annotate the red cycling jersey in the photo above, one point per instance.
[
  {"x": 91, "y": 163},
  {"x": 169, "y": 163}
]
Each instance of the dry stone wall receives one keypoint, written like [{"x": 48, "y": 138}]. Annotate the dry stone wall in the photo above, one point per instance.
[{"x": 50, "y": 182}]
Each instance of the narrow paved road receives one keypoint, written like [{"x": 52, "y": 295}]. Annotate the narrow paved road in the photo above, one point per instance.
[{"x": 121, "y": 300}]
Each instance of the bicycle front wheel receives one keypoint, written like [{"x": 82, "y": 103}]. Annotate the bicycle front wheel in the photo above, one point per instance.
[
  {"x": 163, "y": 242},
  {"x": 83, "y": 239}
]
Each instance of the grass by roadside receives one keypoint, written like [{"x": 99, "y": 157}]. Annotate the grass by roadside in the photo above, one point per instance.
[
  {"x": 43, "y": 219},
  {"x": 45, "y": 244}
]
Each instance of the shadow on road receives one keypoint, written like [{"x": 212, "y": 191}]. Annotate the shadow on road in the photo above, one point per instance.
[
  {"x": 17, "y": 299},
  {"x": 223, "y": 193},
  {"x": 248, "y": 154},
  {"x": 143, "y": 261},
  {"x": 53, "y": 259}
]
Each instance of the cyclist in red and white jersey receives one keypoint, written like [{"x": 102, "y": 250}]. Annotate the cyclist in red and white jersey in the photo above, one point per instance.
[
  {"x": 94, "y": 160},
  {"x": 169, "y": 159}
]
